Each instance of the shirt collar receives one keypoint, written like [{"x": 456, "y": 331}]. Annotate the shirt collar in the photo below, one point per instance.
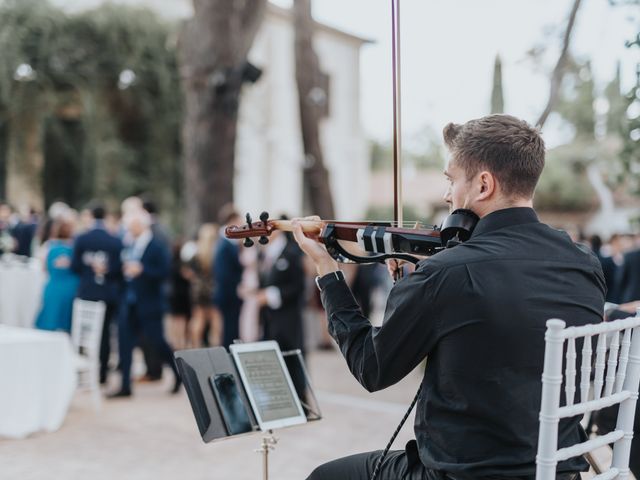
[{"x": 505, "y": 218}]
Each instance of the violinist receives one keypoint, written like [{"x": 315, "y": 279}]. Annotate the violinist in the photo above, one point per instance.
[{"x": 477, "y": 314}]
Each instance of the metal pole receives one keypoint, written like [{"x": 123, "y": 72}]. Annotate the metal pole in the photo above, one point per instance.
[
  {"x": 397, "y": 136},
  {"x": 265, "y": 458},
  {"x": 268, "y": 443}
]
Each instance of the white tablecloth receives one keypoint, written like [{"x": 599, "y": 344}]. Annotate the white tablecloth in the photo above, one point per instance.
[
  {"x": 37, "y": 380},
  {"x": 21, "y": 286}
]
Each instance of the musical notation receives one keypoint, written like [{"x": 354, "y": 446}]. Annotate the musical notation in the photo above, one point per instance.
[{"x": 268, "y": 385}]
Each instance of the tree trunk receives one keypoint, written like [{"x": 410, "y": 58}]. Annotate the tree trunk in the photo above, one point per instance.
[
  {"x": 558, "y": 71},
  {"x": 213, "y": 51},
  {"x": 312, "y": 100},
  {"x": 25, "y": 159}
]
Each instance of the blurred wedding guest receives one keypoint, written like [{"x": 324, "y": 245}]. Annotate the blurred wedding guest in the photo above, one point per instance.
[
  {"x": 159, "y": 231},
  {"x": 179, "y": 299},
  {"x": 227, "y": 273},
  {"x": 151, "y": 357},
  {"x": 130, "y": 206},
  {"x": 629, "y": 277},
  {"x": 366, "y": 279},
  {"x": 96, "y": 259},
  {"x": 250, "y": 282},
  {"x": 612, "y": 259},
  {"x": 57, "y": 211},
  {"x": 282, "y": 298},
  {"x": 60, "y": 290},
  {"x": 24, "y": 232},
  {"x": 85, "y": 220},
  {"x": 7, "y": 242},
  {"x": 203, "y": 312},
  {"x": 146, "y": 266}
]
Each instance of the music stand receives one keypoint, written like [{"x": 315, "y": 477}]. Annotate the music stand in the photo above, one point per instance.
[{"x": 199, "y": 368}]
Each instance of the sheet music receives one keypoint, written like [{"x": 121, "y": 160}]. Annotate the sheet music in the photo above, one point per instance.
[{"x": 268, "y": 384}]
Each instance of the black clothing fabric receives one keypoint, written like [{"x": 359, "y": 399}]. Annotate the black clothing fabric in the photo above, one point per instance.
[
  {"x": 611, "y": 278},
  {"x": 180, "y": 292},
  {"x": 630, "y": 277},
  {"x": 397, "y": 464},
  {"x": 477, "y": 312},
  {"x": 105, "y": 340}
]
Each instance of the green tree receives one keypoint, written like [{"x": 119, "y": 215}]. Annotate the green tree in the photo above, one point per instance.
[
  {"x": 617, "y": 106},
  {"x": 577, "y": 103},
  {"x": 497, "y": 97},
  {"x": 100, "y": 89}
]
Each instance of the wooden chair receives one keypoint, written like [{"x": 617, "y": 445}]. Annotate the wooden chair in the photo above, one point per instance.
[
  {"x": 618, "y": 386},
  {"x": 86, "y": 332}
]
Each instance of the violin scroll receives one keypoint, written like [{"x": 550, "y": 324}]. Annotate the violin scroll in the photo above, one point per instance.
[{"x": 261, "y": 229}]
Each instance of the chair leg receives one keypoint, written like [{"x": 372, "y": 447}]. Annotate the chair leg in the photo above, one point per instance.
[
  {"x": 96, "y": 394},
  {"x": 593, "y": 462}
]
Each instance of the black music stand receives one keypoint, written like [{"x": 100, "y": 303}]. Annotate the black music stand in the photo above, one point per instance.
[{"x": 198, "y": 366}]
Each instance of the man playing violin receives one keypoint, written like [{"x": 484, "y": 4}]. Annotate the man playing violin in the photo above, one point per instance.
[{"x": 477, "y": 313}]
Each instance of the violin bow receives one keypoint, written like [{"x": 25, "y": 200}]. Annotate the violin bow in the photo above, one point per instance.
[{"x": 397, "y": 135}]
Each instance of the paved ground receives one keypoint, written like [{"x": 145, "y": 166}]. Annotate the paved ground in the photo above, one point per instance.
[{"x": 154, "y": 435}]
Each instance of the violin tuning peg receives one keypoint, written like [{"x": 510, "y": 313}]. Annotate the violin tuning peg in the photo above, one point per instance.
[
  {"x": 248, "y": 217},
  {"x": 264, "y": 216},
  {"x": 248, "y": 242},
  {"x": 263, "y": 240}
]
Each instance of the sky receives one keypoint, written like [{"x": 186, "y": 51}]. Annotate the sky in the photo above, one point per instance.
[{"x": 448, "y": 49}]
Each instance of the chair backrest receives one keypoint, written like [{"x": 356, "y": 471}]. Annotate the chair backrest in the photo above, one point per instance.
[
  {"x": 86, "y": 326},
  {"x": 619, "y": 386}
]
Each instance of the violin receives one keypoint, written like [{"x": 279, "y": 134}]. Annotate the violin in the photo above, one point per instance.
[{"x": 380, "y": 240}]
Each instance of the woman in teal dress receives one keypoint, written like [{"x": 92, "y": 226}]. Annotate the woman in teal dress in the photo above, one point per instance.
[{"x": 60, "y": 290}]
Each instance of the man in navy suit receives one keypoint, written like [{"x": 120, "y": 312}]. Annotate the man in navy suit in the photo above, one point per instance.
[
  {"x": 96, "y": 260},
  {"x": 227, "y": 273},
  {"x": 146, "y": 265}
]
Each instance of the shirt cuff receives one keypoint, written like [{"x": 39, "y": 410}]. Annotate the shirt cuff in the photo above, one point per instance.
[{"x": 274, "y": 299}]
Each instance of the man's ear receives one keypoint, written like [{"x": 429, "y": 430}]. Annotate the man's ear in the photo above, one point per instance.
[{"x": 486, "y": 185}]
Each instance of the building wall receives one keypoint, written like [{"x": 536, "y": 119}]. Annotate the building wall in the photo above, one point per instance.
[{"x": 270, "y": 155}]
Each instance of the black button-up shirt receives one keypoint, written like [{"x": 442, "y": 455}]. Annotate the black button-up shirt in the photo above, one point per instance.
[{"x": 477, "y": 313}]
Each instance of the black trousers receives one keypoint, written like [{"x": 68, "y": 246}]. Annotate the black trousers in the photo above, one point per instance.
[
  {"x": 397, "y": 465},
  {"x": 105, "y": 341}
]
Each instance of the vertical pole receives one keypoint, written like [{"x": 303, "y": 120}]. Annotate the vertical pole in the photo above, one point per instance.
[
  {"x": 397, "y": 138},
  {"x": 265, "y": 458},
  {"x": 622, "y": 448},
  {"x": 551, "y": 387}
]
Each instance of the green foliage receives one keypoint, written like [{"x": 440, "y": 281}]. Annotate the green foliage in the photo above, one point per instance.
[
  {"x": 130, "y": 130},
  {"x": 616, "y": 115},
  {"x": 564, "y": 185},
  {"x": 576, "y": 105},
  {"x": 630, "y": 154}
]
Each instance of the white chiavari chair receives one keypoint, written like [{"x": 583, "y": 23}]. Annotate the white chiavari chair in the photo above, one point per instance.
[
  {"x": 615, "y": 382},
  {"x": 86, "y": 332}
]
